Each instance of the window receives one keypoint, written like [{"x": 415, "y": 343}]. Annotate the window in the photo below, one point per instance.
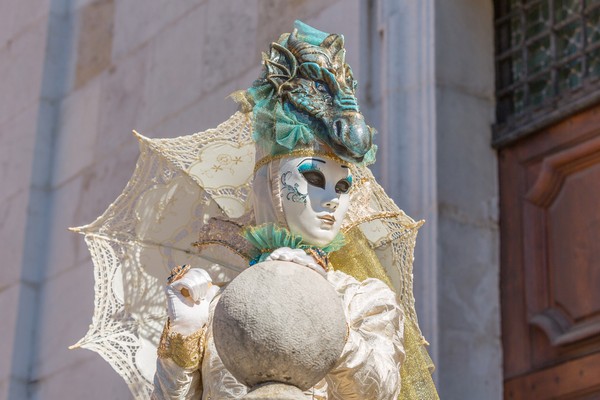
[{"x": 547, "y": 62}]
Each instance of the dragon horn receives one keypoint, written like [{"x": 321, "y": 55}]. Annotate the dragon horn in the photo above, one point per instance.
[
  {"x": 306, "y": 52},
  {"x": 334, "y": 40},
  {"x": 334, "y": 44},
  {"x": 297, "y": 46}
]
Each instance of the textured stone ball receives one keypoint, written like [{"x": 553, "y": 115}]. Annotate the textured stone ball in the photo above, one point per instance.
[{"x": 279, "y": 322}]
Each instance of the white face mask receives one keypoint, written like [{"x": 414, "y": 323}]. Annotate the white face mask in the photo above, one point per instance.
[{"x": 315, "y": 199}]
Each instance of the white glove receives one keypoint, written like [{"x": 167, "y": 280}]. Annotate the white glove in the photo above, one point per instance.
[
  {"x": 297, "y": 256},
  {"x": 189, "y": 314}
]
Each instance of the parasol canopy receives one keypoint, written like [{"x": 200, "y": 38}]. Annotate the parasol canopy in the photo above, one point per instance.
[
  {"x": 179, "y": 189},
  {"x": 177, "y": 185}
]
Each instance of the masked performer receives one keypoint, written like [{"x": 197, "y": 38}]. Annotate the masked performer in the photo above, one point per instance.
[{"x": 315, "y": 204}]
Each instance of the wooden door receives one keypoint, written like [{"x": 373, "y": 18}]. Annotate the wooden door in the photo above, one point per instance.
[{"x": 550, "y": 261}]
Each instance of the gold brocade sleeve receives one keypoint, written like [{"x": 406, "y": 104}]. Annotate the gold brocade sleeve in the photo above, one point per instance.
[
  {"x": 177, "y": 374},
  {"x": 360, "y": 261},
  {"x": 185, "y": 351}
]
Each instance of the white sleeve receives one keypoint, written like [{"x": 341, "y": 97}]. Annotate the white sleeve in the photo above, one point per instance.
[
  {"x": 369, "y": 367},
  {"x": 178, "y": 366},
  {"x": 174, "y": 382}
]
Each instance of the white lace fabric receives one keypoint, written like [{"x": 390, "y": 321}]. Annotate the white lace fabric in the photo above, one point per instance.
[{"x": 178, "y": 188}]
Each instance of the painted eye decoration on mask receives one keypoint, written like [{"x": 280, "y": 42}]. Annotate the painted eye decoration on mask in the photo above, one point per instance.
[
  {"x": 344, "y": 185},
  {"x": 293, "y": 193},
  {"x": 314, "y": 176}
]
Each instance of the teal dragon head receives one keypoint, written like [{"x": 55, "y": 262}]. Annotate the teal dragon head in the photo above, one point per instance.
[{"x": 308, "y": 92}]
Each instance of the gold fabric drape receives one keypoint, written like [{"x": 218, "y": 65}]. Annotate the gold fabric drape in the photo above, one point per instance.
[{"x": 360, "y": 261}]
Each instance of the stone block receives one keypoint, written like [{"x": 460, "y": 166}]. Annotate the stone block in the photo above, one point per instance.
[
  {"x": 76, "y": 132},
  {"x": 407, "y": 30},
  {"x": 13, "y": 219},
  {"x": 137, "y": 21},
  {"x": 480, "y": 363},
  {"x": 17, "y": 16},
  {"x": 66, "y": 309},
  {"x": 91, "y": 379},
  {"x": 464, "y": 46},
  {"x": 207, "y": 113},
  {"x": 94, "y": 40},
  {"x": 469, "y": 313},
  {"x": 21, "y": 65},
  {"x": 67, "y": 249},
  {"x": 466, "y": 164},
  {"x": 16, "y": 389},
  {"x": 406, "y": 154},
  {"x": 214, "y": 107},
  {"x": 74, "y": 6},
  {"x": 17, "y": 143},
  {"x": 18, "y": 303},
  {"x": 469, "y": 263},
  {"x": 9, "y": 298},
  {"x": 106, "y": 178},
  {"x": 229, "y": 42},
  {"x": 340, "y": 17},
  {"x": 121, "y": 101},
  {"x": 60, "y": 57},
  {"x": 81, "y": 201},
  {"x": 175, "y": 73},
  {"x": 276, "y": 17}
]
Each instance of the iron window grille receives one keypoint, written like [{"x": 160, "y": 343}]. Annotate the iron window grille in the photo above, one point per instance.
[{"x": 547, "y": 63}]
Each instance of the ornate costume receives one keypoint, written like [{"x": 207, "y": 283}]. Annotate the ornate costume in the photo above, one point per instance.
[
  {"x": 294, "y": 116},
  {"x": 233, "y": 187}
]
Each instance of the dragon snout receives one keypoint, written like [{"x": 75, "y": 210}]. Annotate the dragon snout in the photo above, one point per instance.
[
  {"x": 339, "y": 127},
  {"x": 351, "y": 133}
]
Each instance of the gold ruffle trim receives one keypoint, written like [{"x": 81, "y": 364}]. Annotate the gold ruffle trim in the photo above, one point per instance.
[{"x": 185, "y": 351}]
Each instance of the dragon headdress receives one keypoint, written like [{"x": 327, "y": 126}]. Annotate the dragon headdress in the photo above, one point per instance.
[{"x": 306, "y": 95}]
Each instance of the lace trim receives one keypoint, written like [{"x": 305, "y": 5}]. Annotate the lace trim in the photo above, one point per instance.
[{"x": 386, "y": 215}]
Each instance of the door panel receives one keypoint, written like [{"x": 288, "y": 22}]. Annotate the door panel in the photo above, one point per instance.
[{"x": 550, "y": 256}]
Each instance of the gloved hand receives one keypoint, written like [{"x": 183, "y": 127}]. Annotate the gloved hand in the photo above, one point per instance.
[
  {"x": 297, "y": 256},
  {"x": 190, "y": 313}
]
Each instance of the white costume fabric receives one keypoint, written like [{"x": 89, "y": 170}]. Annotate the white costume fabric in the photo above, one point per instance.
[{"x": 369, "y": 367}]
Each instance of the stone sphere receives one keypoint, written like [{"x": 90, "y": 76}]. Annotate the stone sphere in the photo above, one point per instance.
[{"x": 279, "y": 322}]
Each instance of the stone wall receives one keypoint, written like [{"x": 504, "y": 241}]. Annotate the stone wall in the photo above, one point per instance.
[
  {"x": 23, "y": 37},
  {"x": 432, "y": 94},
  {"x": 79, "y": 75},
  {"x": 469, "y": 347}
]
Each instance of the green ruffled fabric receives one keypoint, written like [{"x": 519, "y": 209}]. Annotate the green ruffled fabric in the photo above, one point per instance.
[
  {"x": 275, "y": 129},
  {"x": 268, "y": 237},
  {"x": 289, "y": 131}
]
